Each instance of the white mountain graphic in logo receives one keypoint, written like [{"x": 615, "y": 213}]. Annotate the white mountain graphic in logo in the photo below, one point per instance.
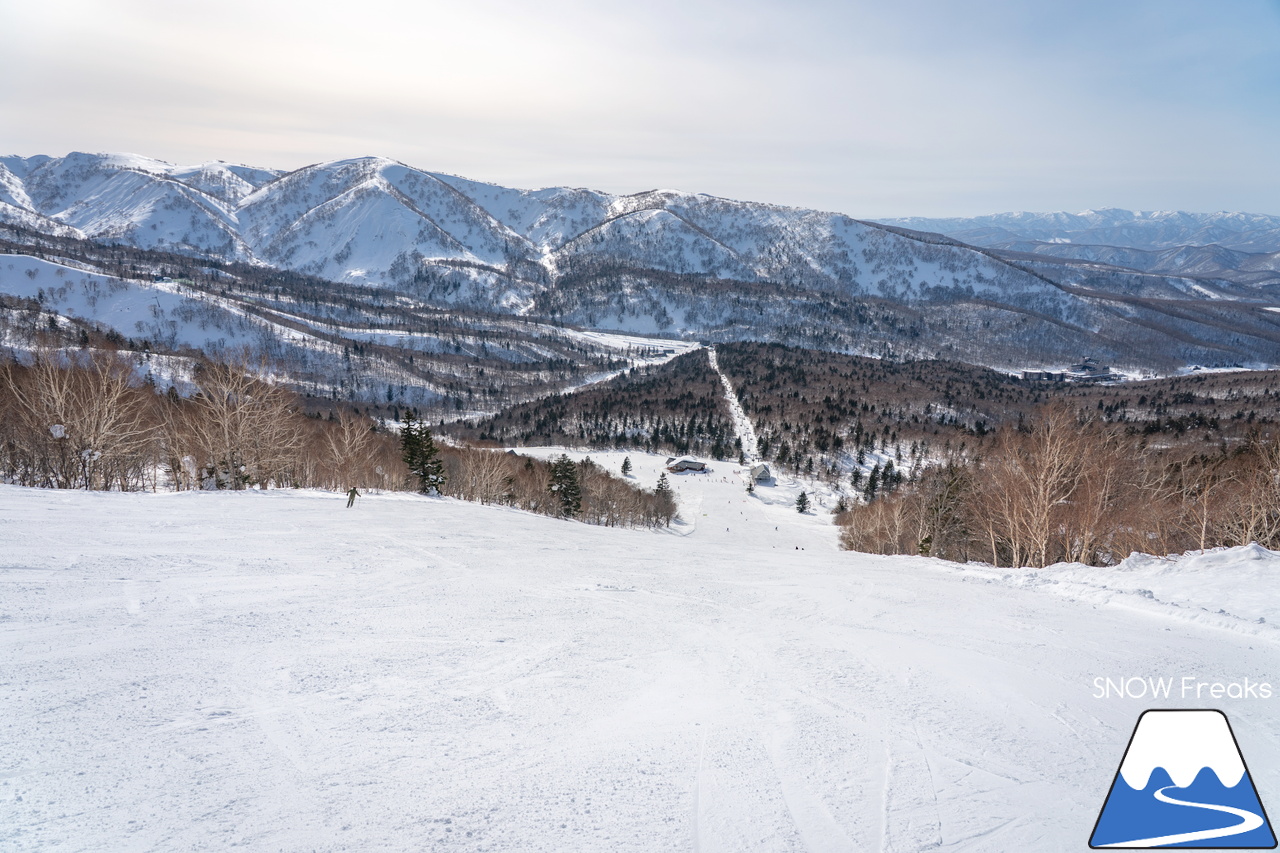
[{"x": 1183, "y": 783}]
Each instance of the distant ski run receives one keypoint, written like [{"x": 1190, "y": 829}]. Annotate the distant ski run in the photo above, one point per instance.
[{"x": 742, "y": 424}]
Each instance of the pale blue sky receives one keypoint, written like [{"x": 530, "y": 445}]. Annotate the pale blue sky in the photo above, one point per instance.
[{"x": 874, "y": 109}]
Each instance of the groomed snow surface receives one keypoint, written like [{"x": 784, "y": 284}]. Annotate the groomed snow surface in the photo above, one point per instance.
[{"x": 273, "y": 671}]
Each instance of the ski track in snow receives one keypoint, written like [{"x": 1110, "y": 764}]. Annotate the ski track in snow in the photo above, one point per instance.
[
  {"x": 272, "y": 670},
  {"x": 741, "y": 423}
]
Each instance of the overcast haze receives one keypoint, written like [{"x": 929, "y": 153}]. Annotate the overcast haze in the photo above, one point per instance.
[{"x": 873, "y": 109}]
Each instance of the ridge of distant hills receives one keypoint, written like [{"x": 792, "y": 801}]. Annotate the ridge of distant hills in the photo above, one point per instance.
[
  {"x": 1239, "y": 247},
  {"x": 682, "y": 264}
]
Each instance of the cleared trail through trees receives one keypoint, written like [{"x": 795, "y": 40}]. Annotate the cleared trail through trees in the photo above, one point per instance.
[{"x": 741, "y": 423}]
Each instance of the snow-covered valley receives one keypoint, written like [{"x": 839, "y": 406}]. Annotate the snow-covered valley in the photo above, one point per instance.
[{"x": 274, "y": 671}]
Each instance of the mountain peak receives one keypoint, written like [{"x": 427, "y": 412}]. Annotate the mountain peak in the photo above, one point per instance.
[
  {"x": 1182, "y": 743},
  {"x": 669, "y": 261}
]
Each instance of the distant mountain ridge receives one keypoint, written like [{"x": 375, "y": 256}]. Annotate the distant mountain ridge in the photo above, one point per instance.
[
  {"x": 372, "y": 219},
  {"x": 657, "y": 262},
  {"x": 1240, "y": 247},
  {"x": 1150, "y": 230}
]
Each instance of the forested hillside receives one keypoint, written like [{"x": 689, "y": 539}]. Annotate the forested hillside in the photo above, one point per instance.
[
  {"x": 322, "y": 338},
  {"x": 83, "y": 419},
  {"x": 827, "y": 408},
  {"x": 677, "y": 408},
  {"x": 827, "y": 414}
]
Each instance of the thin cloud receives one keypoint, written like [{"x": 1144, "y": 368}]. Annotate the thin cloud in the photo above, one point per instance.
[{"x": 911, "y": 108}]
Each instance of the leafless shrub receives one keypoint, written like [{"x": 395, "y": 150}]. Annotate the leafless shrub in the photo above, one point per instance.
[
  {"x": 350, "y": 446},
  {"x": 84, "y": 422},
  {"x": 485, "y": 476}
]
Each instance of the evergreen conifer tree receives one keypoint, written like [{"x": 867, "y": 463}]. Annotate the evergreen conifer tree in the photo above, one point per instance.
[
  {"x": 626, "y": 467},
  {"x": 664, "y": 485},
  {"x": 802, "y": 503},
  {"x": 873, "y": 484},
  {"x": 418, "y": 448},
  {"x": 666, "y": 497},
  {"x": 890, "y": 478},
  {"x": 564, "y": 484}
]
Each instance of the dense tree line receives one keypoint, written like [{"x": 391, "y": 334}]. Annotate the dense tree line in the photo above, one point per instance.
[
  {"x": 678, "y": 408},
  {"x": 83, "y": 419},
  {"x": 824, "y": 412},
  {"x": 561, "y": 488},
  {"x": 1066, "y": 486}
]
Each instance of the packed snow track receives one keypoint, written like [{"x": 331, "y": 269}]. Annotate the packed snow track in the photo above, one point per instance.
[
  {"x": 742, "y": 427},
  {"x": 201, "y": 671}
]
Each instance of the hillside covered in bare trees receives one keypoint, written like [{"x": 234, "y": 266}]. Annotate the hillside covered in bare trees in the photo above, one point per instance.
[
  {"x": 80, "y": 419},
  {"x": 825, "y": 413},
  {"x": 962, "y": 462},
  {"x": 1064, "y": 486}
]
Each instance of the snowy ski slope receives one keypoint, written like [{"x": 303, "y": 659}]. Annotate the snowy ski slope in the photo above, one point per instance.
[
  {"x": 743, "y": 430},
  {"x": 274, "y": 671}
]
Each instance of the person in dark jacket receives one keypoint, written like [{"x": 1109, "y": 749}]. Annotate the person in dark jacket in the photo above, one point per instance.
[{"x": 351, "y": 496}]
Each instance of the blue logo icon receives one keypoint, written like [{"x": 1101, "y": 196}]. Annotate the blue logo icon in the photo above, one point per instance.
[{"x": 1183, "y": 783}]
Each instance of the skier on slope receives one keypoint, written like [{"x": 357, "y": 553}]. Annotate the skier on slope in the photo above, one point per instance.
[{"x": 352, "y": 494}]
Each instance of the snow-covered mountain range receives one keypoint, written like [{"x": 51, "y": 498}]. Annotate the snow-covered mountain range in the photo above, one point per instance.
[
  {"x": 378, "y": 221},
  {"x": 662, "y": 261},
  {"x": 1151, "y": 230},
  {"x": 1241, "y": 247}
]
